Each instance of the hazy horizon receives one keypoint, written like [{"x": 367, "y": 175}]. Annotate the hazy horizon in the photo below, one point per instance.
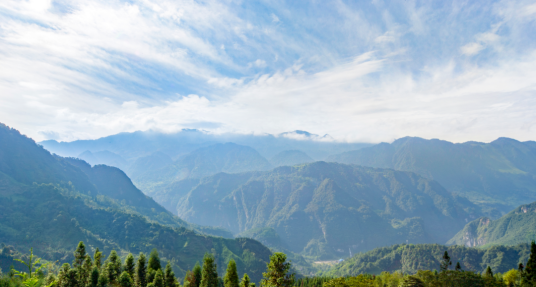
[{"x": 360, "y": 72}]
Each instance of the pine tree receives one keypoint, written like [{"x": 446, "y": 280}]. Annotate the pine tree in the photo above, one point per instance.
[
  {"x": 488, "y": 273},
  {"x": 67, "y": 276},
  {"x": 231, "y": 276},
  {"x": 277, "y": 274},
  {"x": 529, "y": 275},
  {"x": 97, "y": 258},
  {"x": 458, "y": 267},
  {"x": 245, "y": 281},
  {"x": 169, "y": 277},
  {"x": 129, "y": 266},
  {"x": 94, "y": 279},
  {"x": 154, "y": 260},
  {"x": 79, "y": 256},
  {"x": 209, "y": 274},
  {"x": 85, "y": 272},
  {"x": 158, "y": 279},
  {"x": 125, "y": 280},
  {"x": 103, "y": 280},
  {"x": 197, "y": 274},
  {"x": 113, "y": 267},
  {"x": 141, "y": 271},
  {"x": 446, "y": 262}
]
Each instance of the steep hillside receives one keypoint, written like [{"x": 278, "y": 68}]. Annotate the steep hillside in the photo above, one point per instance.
[
  {"x": 51, "y": 203},
  {"x": 500, "y": 174},
  {"x": 290, "y": 158},
  {"x": 518, "y": 226},
  {"x": 324, "y": 209},
  {"x": 409, "y": 258},
  {"x": 229, "y": 157}
]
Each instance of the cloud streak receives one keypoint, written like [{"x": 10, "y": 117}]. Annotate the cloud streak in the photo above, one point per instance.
[{"x": 367, "y": 72}]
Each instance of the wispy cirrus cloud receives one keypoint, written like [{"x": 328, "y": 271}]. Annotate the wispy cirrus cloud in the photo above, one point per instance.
[{"x": 357, "y": 71}]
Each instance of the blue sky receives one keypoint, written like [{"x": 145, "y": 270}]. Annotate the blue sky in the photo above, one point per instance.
[{"x": 357, "y": 70}]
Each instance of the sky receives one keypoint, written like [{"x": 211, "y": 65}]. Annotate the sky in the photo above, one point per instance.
[{"x": 360, "y": 71}]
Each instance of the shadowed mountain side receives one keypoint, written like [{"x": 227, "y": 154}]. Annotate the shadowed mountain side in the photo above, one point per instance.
[
  {"x": 500, "y": 174},
  {"x": 290, "y": 158},
  {"x": 325, "y": 209},
  {"x": 518, "y": 226}
]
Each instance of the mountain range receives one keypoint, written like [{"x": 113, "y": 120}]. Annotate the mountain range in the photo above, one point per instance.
[
  {"x": 324, "y": 210},
  {"x": 499, "y": 175},
  {"x": 51, "y": 203}
]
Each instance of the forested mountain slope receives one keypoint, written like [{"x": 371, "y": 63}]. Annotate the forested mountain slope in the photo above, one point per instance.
[
  {"x": 499, "y": 174},
  {"x": 51, "y": 203},
  {"x": 409, "y": 258},
  {"x": 324, "y": 209},
  {"x": 518, "y": 226}
]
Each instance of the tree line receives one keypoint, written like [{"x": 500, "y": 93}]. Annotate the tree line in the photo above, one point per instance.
[
  {"x": 93, "y": 271},
  {"x": 87, "y": 271}
]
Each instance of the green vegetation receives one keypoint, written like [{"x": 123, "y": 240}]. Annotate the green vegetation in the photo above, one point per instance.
[
  {"x": 410, "y": 258},
  {"x": 114, "y": 273},
  {"x": 53, "y": 203},
  {"x": 499, "y": 175},
  {"x": 323, "y": 210},
  {"x": 518, "y": 226}
]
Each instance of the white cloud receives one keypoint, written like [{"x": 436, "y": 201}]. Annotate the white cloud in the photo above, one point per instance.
[
  {"x": 105, "y": 67},
  {"x": 471, "y": 49}
]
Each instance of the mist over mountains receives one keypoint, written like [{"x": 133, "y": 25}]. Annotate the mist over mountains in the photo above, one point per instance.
[{"x": 415, "y": 190}]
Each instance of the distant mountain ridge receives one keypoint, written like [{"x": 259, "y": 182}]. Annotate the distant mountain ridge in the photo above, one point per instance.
[
  {"x": 131, "y": 146},
  {"x": 324, "y": 209},
  {"x": 205, "y": 161},
  {"x": 500, "y": 174}
]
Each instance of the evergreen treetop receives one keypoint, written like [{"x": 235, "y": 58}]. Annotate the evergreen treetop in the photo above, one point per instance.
[
  {"x": 154, "y": 260},
  {"x": 231, "y": 275},
  {"x": 209, "y": 273},
  {"x": 277, "y": 274}
]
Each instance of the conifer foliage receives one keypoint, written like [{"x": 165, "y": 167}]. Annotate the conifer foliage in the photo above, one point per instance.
[
  {"x": 529, "y": 275},
  {"x": 278, "y": 274},
  {"x": 209, "y": 274},
  {"x": 231, "y": 276}
]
